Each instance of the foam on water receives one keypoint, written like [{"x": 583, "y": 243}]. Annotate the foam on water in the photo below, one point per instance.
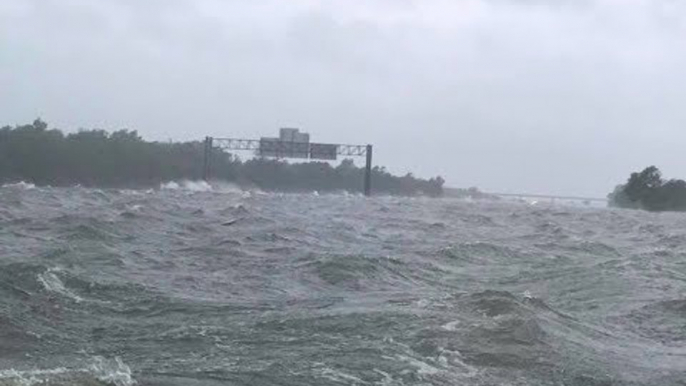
[{"x": 101, "y": 372}]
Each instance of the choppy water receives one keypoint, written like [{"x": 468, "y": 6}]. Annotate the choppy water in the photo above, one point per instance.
[{"x": 182, "y": 286}]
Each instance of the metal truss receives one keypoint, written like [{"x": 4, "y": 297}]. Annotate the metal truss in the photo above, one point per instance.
[{"x": 254, "y": 144}]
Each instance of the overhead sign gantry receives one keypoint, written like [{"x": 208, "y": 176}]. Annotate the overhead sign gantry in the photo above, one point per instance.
[{"x": 291, "y": 143}]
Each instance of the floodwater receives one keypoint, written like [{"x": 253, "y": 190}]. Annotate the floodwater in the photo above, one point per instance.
[{"x": 193, "y": 285}]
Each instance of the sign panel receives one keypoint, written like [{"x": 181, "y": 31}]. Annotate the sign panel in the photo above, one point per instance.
[
  {"x": 274, "y": 147},
  {"x": 299, "y": 149},
  {"x": 269, "y": 147},
  {"x": 323, "y": 151}
]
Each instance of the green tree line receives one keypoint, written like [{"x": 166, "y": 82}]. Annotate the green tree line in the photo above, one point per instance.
[
  {"x": 648, "y": 190},
  {"x": 35, "y": 153}
]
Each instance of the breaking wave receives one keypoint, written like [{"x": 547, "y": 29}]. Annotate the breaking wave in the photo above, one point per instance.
[
  {"x": 51, "y": 282},
  {"x": 19, "y": 185},
  {"x": 203, "y": 186},
  {"x": 192, "y": 186}
]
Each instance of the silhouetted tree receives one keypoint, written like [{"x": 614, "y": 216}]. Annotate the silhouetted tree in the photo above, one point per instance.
[{"x": 647, "y": 190}]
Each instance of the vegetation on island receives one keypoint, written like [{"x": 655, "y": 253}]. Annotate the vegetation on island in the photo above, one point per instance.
[
  {"x": 43, "y": 156},
  {"x": 648, "y": 190}
]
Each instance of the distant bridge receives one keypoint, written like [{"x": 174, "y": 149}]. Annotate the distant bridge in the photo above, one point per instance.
[{"x": 549, "y": 197}]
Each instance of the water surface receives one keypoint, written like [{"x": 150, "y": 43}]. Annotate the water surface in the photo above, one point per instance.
[{"x": 181, "y": 286}]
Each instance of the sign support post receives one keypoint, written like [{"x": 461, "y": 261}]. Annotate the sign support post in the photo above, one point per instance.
[
  {"x": 207, "y": 160},
  {"x": 368, "y": 173}
]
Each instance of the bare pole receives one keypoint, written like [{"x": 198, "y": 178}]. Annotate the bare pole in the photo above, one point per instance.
[
  {"x": 207, "y": 161},
  {"x": 368, "y": 173}
]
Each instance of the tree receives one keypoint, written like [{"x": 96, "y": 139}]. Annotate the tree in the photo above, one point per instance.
[
  {"x": 647, "y": 190},
  {"x": 643, "y": 184},
  {"x": 619, "y": 199},
  {"x": 39, "y": 125}
]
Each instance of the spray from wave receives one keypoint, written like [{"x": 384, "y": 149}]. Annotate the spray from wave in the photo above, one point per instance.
[
  {"x": 19, "y": 185},
  {"x": 187, "y": 185},
  {"x": 203, "y": 186}
]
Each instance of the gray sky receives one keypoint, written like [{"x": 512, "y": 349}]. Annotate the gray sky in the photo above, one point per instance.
[{"x": 563, "y": 97}]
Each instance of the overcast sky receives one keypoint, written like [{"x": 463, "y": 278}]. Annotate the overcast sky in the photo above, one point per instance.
[{"x": 562, "y": 97}]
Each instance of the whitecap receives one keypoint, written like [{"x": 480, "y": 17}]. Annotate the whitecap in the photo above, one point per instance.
[
  {"x": 20, "y": 185},
  {"x": 111, "y": 372},
  {"x": 423, "y": 368},
  {"x": 451, "y": 326},
  {"x": 187, "y": 185},
  {"x": 197, "y": 186},
  {"x": 51, "y": 282},
  {"x": 171, "y": 185},
  {"x": 339, "y": 376}
]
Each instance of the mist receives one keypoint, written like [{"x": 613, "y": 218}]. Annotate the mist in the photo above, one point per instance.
[{"x": 510, "y": 96}]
